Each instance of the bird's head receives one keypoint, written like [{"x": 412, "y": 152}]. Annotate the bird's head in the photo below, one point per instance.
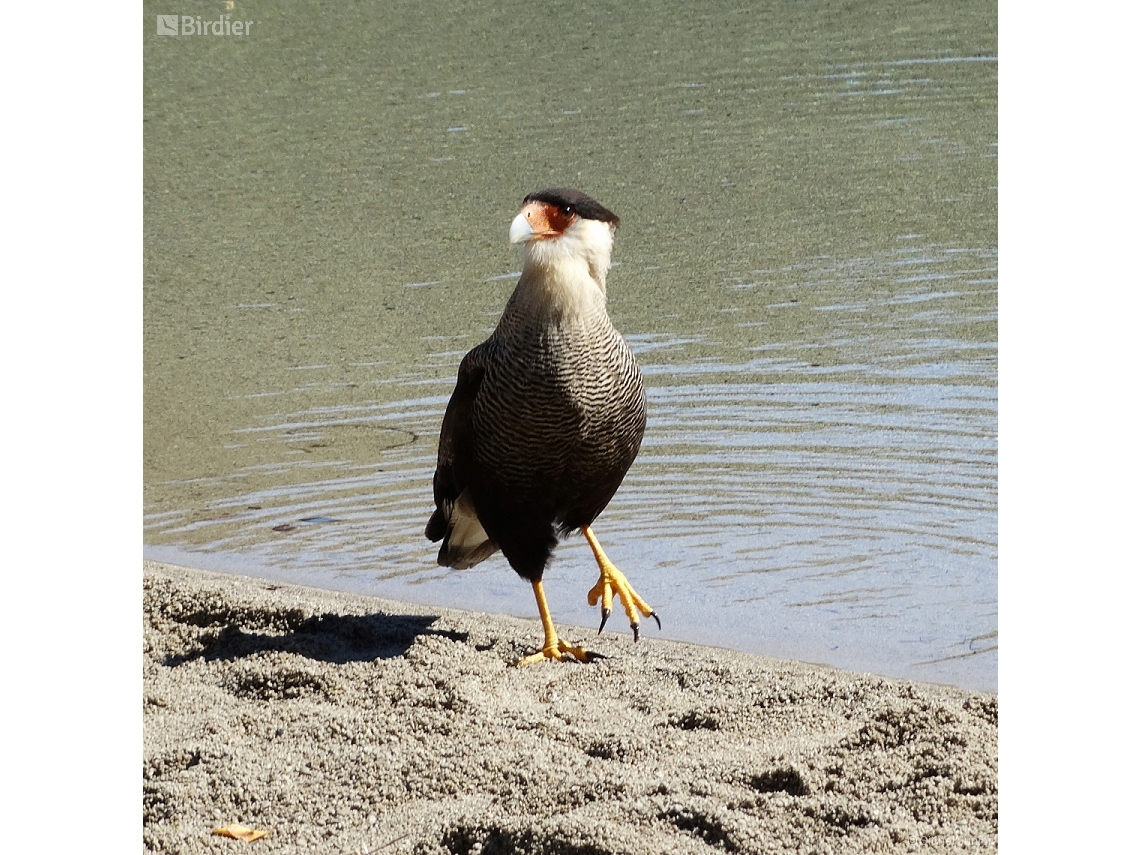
[{"x": 562, "y": 226}]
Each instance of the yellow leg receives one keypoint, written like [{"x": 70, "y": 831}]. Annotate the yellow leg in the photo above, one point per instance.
[
  {"x": 613, "y": 581},
  {"x": 552, "y": 646}
]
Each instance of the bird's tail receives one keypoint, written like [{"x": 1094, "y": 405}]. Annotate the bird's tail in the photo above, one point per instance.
[{"x": 465, "y": 542}]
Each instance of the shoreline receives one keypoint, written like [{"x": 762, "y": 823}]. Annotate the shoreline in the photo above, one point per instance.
[
  {"x": 345, "y": 723},
  {"x": 491, "y": 596}
]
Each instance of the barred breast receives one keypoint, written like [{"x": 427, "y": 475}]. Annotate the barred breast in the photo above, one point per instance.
[{"x": 560, "y": 415}]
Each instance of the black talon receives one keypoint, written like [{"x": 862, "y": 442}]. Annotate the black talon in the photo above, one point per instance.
[
  {"x": 654, "y": 616},
  {"x": 635, "y": 627},
  {"x": 605, "y": 617}
]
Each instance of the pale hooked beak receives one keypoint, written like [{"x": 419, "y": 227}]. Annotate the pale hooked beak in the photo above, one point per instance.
[{"x": 521, "y": 232}]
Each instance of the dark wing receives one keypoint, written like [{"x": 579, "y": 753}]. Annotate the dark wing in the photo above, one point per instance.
[
  {"x": 455, "y": 442},
  {"x": 454, "y": 521}
]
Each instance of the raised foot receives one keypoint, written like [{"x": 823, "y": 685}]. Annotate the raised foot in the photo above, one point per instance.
[
  {"x": 559, "y": 652},
  {"x": 612, "y": 582}
]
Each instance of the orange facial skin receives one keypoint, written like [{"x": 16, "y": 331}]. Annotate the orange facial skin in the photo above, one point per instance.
[{"x": 548, "y": 221}]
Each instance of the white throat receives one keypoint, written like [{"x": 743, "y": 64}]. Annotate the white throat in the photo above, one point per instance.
[{"x": 567, "y": 275}]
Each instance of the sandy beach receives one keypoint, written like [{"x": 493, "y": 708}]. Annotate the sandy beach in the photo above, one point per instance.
[{"x": 346, "y": 724}]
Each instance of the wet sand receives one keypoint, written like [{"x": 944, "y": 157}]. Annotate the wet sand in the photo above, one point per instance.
[{"x": 342, "y": 723}]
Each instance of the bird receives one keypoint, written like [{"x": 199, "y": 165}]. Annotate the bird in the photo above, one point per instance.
[{"x": 546, "y": 417}]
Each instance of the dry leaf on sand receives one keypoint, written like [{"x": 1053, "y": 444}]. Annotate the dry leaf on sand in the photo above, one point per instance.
[{"x": 240, "y": 832}]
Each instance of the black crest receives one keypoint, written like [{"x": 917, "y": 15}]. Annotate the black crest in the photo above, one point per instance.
[{"x": 576, "y": 201}]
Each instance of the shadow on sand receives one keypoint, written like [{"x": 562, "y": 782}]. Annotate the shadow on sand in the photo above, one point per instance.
[{"x": 326, "y": 638}]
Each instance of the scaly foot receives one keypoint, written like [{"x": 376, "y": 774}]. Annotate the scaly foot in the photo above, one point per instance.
[
  {"x": 612, "y": 581},
  {"x": 553, "y": 647},
  {"x": 561, "y": 652}
]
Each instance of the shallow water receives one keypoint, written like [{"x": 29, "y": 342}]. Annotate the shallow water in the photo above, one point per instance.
[{"x": 806, "y": 268}]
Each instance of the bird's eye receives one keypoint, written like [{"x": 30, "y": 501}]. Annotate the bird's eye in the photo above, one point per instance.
[{"x": 566, "y": 212}]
